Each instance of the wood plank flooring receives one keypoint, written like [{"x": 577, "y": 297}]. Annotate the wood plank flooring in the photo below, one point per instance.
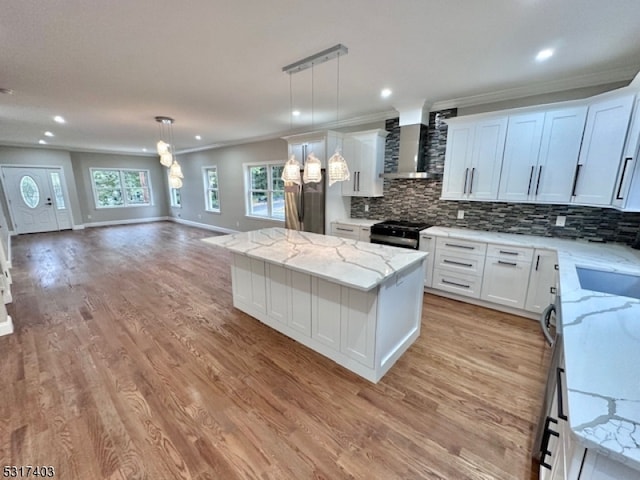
[{"x": 129, "y": 362}]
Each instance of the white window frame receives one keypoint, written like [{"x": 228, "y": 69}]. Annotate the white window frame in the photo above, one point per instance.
[
  {"x": 205, "y": 179},
  {"x": 247, "y": 189},
  {"x": 122, "y": 186},
  {"x": 172, "y": 197}
]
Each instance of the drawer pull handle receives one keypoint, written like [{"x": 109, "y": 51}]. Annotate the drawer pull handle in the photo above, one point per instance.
[
  {"x": 462, "y": 285},
  {"x": 345, "y": 229},
  {"x": 544, "y": 448},
  {"x": 506, "y": 252},
  {"x": 561, "y": 414},
  {"x": 511, "y": 264},
  {"x": 462, "y": 264},
  {"x": 467, "y": 247}
]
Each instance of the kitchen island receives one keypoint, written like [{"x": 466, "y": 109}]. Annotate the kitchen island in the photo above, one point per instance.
[{"x": 357, "y": 303}]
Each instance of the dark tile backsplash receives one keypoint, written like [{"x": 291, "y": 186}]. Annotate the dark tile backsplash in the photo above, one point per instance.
[{"x": 419, "y": 200}]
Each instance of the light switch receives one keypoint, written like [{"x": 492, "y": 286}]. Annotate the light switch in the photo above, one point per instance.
[
  {"x": 460, "y": 214},
  {"x": 366, "y": 207},
  {"x": 561, "y": 220}
]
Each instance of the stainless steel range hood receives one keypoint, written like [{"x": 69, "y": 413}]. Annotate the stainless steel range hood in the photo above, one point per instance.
[{"x": 411, "y": 157}]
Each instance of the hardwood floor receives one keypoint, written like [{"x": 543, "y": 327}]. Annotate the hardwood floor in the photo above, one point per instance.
[{"x": 129, "y": 361}]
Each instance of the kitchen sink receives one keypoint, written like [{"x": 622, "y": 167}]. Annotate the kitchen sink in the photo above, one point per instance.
[{"x": 615, "y": 283}]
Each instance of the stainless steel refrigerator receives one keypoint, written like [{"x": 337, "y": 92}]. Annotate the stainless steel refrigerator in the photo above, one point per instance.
[{"x": 305, "y": 206}]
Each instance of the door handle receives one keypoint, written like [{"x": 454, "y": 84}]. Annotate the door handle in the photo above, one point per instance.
[
  {"x": 49, "y": 204},
  {"x": 466, "y": 176},
  {"x": 575, "y": 180},
  {"x": 473, "y": 170},
  {"x": 624, "y": 170},
  {"x": 538, "y": 182},
  {"x": 530, "y": 178}
]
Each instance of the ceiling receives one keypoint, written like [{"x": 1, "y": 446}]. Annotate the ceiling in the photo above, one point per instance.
[{"x": 216, "y": 66}]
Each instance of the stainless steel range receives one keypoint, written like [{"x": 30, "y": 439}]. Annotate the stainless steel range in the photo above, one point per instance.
[{"x": 397, "y": 233}]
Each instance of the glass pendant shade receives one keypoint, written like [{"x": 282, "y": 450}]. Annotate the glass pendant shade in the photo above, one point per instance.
[
  {"x": 175, "y": 182},
  {"x": 291, "y": 171},
  {"x": 175, "y": 170},
  {"x": 166, "y": 159},
  {"x": 338, "y": 168},
  {"x": 312, "y": 169},
  {"x": 162, "y": 147}
]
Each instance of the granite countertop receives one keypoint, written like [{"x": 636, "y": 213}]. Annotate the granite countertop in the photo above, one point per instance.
[
  {"x": 347, "y": 262},
  {"x": 601, "y": 334}
]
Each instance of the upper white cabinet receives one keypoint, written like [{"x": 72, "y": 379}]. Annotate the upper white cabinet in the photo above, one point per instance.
[
  {"x": 473, "y": 159},
  {"x": 540, "y": 156},
  {"x": 600, "y": 155},
  {"x": 627, "y": 192},
  {"x": 364, "y": 153}
]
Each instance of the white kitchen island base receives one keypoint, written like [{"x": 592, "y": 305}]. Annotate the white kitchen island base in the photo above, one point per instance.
[
  {"x": 357, "y": 303},
  {"x": 364, "y": 331}
]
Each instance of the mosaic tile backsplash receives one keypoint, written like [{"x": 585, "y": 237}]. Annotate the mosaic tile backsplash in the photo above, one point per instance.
[{"x": 419, "y": 200}]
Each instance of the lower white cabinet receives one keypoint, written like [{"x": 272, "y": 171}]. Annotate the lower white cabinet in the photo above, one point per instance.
[
  {"x": 506, "y": 279},
  {"x": 358, "y": 325},
  {"x": 325, "y": 312},
  {"x": 249, "y": 283},
  {"x": 428, "y": 244},
  {"x": 353, "y": 231},
  {"x": 467, "y": 285},
  {"x": 543, "y": 280},
  {"x": 364, "y": 234},
  {"x": 299, "y": 302}
]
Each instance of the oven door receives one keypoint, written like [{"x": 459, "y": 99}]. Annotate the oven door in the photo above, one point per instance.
[{"x": 394, "y": 241}]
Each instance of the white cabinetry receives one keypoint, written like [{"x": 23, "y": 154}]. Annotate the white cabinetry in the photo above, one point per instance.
[
  {"x": 600, "y": 155},
  {"x": 325, "y": 313},
  {"x": 364, "y": 153},
  {"x": 353, "y": 231},
  {"x": 627, "y": 192},
  {"x": 543, "y": 280},
  {"x": 364, "y": 234},
  {"x": 541, "y": 153},
  {"x": 322, "y": 144},
  {"x": 458, "y": 266},
  {"x": 358, "y": 325},
  {"x": 249, "y": 284},
  {"x": 473, "y": 159},
  {"x": 428, "y": 244},
  {"x": 506, "y": 275}
]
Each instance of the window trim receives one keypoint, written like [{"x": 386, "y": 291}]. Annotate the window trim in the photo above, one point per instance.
[
  {"x": 205, "y": 181},
  {"x": 124, "y": 196},
  {"x": 171, "y": 197},
  {"x": 247, "y": 188}
]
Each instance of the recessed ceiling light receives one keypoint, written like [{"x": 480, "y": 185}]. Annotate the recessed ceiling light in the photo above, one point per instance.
[
  {"x": 386, "y": 92},
  {"x": 144, "y": 149},
  {"x": 48, "y": 134},
  {"x": 59, "y": 119},
  {"x": 544, "y": 54},
  {"x": 198, "y": 137},
  {"x": 296, "y": 113},
  {"x": 42, "y": 142}
]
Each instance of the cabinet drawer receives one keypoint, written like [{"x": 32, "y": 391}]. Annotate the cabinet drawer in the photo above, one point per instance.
[
  {"x": 345, "y": 231},
  {"x": 468, "y": 264},
  {"x": 510, "y": 254},
  {"x": 468, "y": 285},
  {"x": 466, "y": 246}
]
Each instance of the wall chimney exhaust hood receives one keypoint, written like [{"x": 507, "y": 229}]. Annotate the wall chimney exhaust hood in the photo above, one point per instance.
[{"x": 413, "y": 138}]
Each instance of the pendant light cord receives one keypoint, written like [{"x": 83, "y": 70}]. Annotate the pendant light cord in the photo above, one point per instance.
[
  {"x": 338, "y": 91},
  {"x": 312, "y": 122},
  {"x": 290, "y": 104}
]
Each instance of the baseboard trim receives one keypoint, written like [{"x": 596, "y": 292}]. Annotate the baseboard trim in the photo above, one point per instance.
[
  {"x": 205, "y": 226},
  {"x": 78, "y": 227},
  {"x": 482, "y": 303},
  {"x": 109, "y": 223},
  {"x": 6, "y": 328}
]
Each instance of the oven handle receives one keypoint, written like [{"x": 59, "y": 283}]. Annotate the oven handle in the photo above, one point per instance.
[{"x": 545, "y": 320}]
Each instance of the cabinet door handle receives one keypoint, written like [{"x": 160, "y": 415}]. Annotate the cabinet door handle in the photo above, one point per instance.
[
  {"x": 575, "y": 180},
  {"x": 466, "y": 176},
  {"x": 354, "y": 181},
  {"x": 511, "y": 264},
  {"x": 473, "y": 170},
  {"x": 462, "y": 264},
  {"x": 345, "y": 229},
  {"x": 358, "y": 173},
  {"x": 544, "y": 448},
  {"x": 467, "y": 247},
  {"x": 553, "y": 290},
  {"x": 624, "y": 170},
  {"x": 538, "y": 182},
  {"x": 462, "y": 285},
  {"x": 537, "y": 263},
  {"x": 506, "y": 252},
  {"x": 561, "y": 414},
  {"x": 530, "y": 178}
]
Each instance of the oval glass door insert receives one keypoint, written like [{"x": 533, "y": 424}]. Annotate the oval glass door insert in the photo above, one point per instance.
[{"x": 29, "y": 191}]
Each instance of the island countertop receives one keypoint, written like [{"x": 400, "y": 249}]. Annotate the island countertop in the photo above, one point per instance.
[
  {"x": 343, "y": 261},
  {"x": 601, "y": 336}
]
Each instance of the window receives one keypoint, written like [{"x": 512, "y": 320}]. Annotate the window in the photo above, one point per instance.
[
  {"x": 211, "y": 191},
  {"x": 175, "y": 197},
  {"x": 57, "y": 190},
  {"x": 29, "y": 191},
  {"x": 265, "y": 190},
  {"x": 121, "y": 188}
]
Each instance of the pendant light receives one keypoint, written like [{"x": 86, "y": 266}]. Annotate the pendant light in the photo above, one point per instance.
[
  {"x": 291, "y": 170},
  {"x": 337, "y": 166},
  {"x": 167, "y": 152},
  {"x": 312, "y": 165}
]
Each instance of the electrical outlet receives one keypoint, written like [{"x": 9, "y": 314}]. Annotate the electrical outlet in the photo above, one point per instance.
[
  {"x": 366, "y": 207},
  {"x": 199, "y": 215},
  {"x": 89, "y": 217},
  {"x": 237, "y": 224},
  {"x": 460, "y": 214},
  {"x": 561, "y": 220}
]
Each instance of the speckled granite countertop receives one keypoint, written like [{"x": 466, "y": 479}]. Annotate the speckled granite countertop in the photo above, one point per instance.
[
  {"x": 601, "y": 342},
  {"x": 347, "y": 262}
]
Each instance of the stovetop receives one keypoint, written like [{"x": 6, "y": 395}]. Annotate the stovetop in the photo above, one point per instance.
[{"x": 401, "y": 225}]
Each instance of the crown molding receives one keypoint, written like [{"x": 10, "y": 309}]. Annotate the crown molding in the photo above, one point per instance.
[{"x": 570, "y": 83}]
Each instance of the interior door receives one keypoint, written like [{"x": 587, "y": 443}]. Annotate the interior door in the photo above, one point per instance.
[{"x": 31, "y": 199}]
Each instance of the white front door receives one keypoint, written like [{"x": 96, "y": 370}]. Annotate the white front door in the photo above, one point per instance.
[{"x": 37, "y": 199}]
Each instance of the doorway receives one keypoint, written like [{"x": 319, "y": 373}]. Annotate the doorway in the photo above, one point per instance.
[{"x": 37, "y": 198}]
